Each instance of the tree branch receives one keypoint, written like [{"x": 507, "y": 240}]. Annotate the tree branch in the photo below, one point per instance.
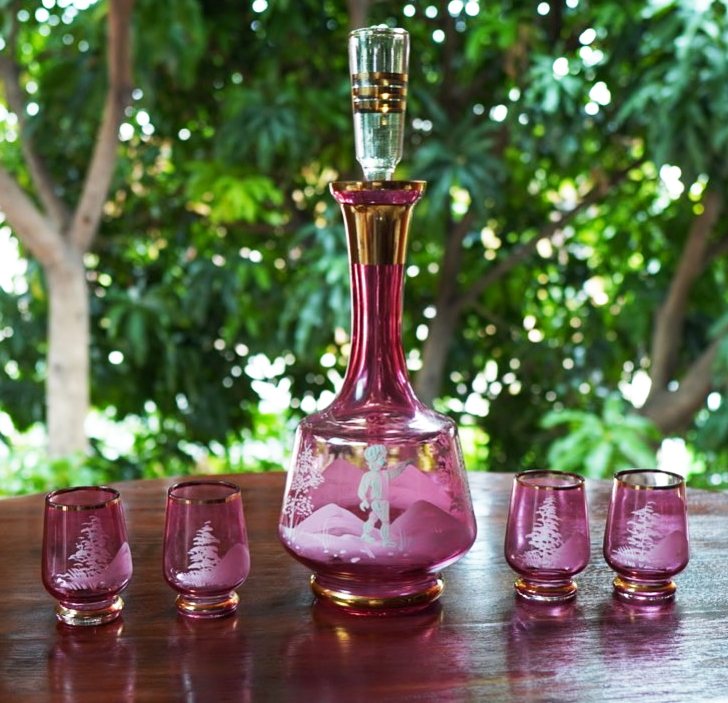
[
  {"x": 450, "y": 306},
  {"x": 673, "y": 411},
  {"x": 670, "y": 317},
  {"x": 88, "y": 214},
  {"x": 44, "y": 185},
  {"x": 34, "y": 231},
  {"x": 453, "y": 256},
  {"x": 716, "y": 250},
  {"x": 522, "y": 252}
]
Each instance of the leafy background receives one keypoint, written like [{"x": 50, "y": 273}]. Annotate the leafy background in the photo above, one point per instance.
[{"x": 567, "y": 147}]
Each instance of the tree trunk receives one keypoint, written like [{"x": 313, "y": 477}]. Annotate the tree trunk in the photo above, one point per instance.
[
  {"x": 428, "y": 381},
  {"x": 358, "y": 13},
  {"x": 59, "y": 239},
  {"x": 67, "y": 379},
  {"x": 443, "y": 326}
]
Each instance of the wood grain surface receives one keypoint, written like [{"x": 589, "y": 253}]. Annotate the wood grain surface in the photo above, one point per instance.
[{"x": 479, "y": 644}]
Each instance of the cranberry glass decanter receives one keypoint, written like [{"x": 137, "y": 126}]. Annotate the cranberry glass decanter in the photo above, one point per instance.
[{"x": 377, "y": 501}]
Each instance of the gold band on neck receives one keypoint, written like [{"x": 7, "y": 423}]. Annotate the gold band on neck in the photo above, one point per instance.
[{"x": 377, "y": 217}]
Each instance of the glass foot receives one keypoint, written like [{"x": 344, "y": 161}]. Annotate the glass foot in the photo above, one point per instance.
[
  {"x": 644, "y": 591},
  {"x": 378, "y": 600},
  {"x": 199, "y": 607},
  {"x": 546, "y": 592},
  {"x": 91, "y": 615}
]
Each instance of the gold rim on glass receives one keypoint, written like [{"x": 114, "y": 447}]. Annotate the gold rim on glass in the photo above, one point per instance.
[
  {"x": 185, "y": 500},
  {"x": 673, "y": 480},
  {"x": 114, "y": 497},
  {"x": 576, "y": 480}
]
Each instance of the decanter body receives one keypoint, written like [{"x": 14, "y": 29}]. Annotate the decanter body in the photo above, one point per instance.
[{"x": 377, "y": 501}]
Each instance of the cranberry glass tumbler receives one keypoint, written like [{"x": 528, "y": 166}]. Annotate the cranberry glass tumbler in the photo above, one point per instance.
[
  {"x": 547, "y": 534},
  {"x": 86, "y": 555},
  {"x": 206, "y": 553},
  {"x": 377, "y": 501},
  {"x": 646, "y": 536}
]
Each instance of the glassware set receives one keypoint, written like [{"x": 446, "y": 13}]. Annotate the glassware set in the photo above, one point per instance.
[
  {"x": 376, "y": 502},
  {"x": 645, "y": 540},
  {"x": 86, "y": 560}
]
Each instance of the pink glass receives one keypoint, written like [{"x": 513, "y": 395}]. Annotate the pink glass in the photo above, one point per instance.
[
  {"x": 646, "y": 538},
  {"x": 377, "y": 501},
  {"x": 86, "y": 555},
  {"x": 206, "y": 553},
  {"x": 547, "y": 534}
]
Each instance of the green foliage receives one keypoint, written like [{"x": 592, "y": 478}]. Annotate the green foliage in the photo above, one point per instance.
[
  {"x": 457, "y": 156},
  {"x": 226, "y": 196},
  {"x": 221, "y": 245},
  {"x": 170, "y": 35},
  {"x": 676, "y": 92},
  {"x": 29, "y": 471},
  {"x": 599, "y": 445},
  {"x": 22, "y": 342}
]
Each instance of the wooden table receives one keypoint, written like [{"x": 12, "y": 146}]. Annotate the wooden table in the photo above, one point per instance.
[{"x": 480, "y": 644}]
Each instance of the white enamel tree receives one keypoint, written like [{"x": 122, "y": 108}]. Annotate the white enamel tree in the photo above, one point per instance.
[
  {"x": 92, "y": 555},
  {"x": 546, "y": 537},
  {"x": 203, "y": 555},
  {"x": 643, "y": 534},
  {"x": 306, "y": 477}
]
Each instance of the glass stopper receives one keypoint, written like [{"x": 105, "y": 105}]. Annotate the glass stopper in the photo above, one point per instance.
[{"x": 378, "y": 60}]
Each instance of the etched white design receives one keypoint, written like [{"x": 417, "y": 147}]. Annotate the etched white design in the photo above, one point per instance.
[
  {"x": 204, "y": 558},
  {"x": 373, "y": 492},
  {"x": 644, "y": 534},
  {"x": 422, "y": 527},
  {"x": 93, "y": 566},
  {"x": 207, "y": 568},
  {"x": 424, "y": 533},
  {"x": 447, "y": 453},
  {"x": 545, "y": 539},
  {"x": 307, "y": 475}
]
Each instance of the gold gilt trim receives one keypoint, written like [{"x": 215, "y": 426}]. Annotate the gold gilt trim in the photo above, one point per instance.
[
  {"x": 569, "y": 481},
  {"x": 174, "y": 492},
  {"x": 107, "y": 496},
  {"x": 379, "y": 92},
  {"x": 377, "y": 216},
  {"x": 344, "y": 599},
  {"x": 630, "y": 478}
]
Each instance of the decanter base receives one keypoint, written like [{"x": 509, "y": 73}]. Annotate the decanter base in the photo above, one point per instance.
[
  {"x": 365, "y": 599},
  {"x": 644, "y": 591}
]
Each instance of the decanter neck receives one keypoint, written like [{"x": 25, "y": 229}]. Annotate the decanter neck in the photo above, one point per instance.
[{"x": 377, "y": 218}]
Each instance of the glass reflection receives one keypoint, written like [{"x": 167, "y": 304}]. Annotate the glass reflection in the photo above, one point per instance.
[
  {"x": 339, "y": 657},
  {"x": 85, "y": 658}
]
